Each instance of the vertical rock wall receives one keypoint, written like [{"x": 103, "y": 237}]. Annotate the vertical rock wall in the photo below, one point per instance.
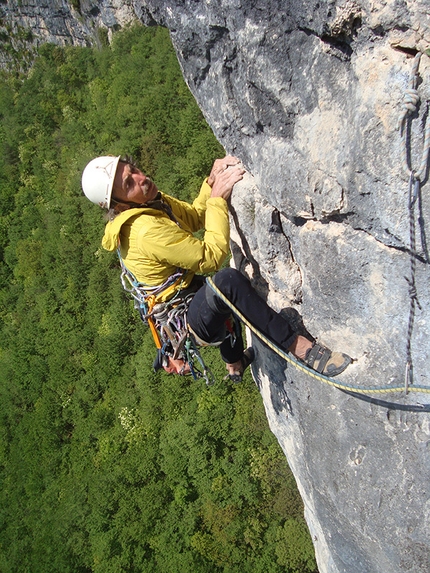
[{"x": 309, "y": 96}]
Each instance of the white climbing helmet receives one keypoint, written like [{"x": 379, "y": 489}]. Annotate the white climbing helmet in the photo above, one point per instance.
[{"x": 97, "y": 179}]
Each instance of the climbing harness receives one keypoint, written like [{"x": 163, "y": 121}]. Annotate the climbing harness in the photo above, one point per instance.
[
  {"x": 300, "y": 366},
  {"x": 177, "y": 349},
  {"x": 411, "y": 101}
]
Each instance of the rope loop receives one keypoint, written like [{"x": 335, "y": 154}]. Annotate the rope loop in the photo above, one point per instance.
[{"x": 409, "y": 107}]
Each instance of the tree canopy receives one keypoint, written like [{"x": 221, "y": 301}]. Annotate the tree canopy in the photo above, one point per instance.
[{"x": 106, "y": 466}]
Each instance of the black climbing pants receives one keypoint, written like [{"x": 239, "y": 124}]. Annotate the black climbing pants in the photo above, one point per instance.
[{"x": 207, "y": 315}]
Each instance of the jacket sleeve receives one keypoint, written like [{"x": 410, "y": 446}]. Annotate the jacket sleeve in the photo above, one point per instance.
[
  {"x": 168, "y": 244},
  {"x": 193, "y": 215}
]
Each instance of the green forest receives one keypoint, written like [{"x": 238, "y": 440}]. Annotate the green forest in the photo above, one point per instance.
[{"x": 107, "y": 467}]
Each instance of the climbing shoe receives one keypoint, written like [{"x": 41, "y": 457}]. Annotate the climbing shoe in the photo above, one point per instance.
[
  {"x": 247, "y": 358},
  {"x": 326, "y": 362}
]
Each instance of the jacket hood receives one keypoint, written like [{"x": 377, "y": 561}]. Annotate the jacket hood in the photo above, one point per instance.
[{"x": 113, "y": 228}]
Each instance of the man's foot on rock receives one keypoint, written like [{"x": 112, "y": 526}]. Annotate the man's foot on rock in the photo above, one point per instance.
[
  {"x": 326, "y": 362},
  {"x": 236, "y": 369}
]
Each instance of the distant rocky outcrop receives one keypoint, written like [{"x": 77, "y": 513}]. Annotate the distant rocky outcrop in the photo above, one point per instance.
[{"x": 310, "y": 96}]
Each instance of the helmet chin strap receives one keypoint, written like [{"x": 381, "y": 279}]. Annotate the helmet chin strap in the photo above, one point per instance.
[
  {"x": 156, "y": 203},
  {"x": 132, "y": 205}
]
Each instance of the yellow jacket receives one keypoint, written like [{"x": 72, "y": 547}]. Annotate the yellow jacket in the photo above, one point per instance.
[{"x": 153, "y": 247}]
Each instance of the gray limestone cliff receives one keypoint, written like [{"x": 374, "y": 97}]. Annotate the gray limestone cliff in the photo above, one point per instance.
[{"x": 310, "y": 95}]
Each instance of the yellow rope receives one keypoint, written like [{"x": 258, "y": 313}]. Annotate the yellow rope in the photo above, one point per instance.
[{"x": 326, "y": 379}]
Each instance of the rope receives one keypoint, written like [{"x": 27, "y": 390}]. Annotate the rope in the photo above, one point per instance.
[
  {"x": 410, "y": 104},
  {"x": 413, "y": 296},
  {"x": 302, "y": 367}
]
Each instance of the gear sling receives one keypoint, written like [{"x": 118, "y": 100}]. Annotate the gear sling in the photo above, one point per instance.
[{"x": 177, "y": 349}]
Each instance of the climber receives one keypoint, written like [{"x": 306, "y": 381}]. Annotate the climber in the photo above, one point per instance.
[{"x": 155, "y": 234}]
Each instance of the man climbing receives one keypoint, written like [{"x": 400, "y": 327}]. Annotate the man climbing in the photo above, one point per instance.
[{"x": 155, "y": 234}]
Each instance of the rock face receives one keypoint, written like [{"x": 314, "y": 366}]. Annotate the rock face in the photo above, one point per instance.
[{"x": 309, "y": 95}]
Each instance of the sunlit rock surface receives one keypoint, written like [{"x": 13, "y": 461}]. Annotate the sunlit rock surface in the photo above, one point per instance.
[{"x": 309, "y": 96}]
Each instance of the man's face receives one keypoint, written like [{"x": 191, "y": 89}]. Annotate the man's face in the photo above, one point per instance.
[{"x": 132, "y": 186}]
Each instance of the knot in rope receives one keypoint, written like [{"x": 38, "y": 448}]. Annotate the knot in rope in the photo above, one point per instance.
[
  {"x": 410, "y": 102},
  {"x": 413, "y": 292}
]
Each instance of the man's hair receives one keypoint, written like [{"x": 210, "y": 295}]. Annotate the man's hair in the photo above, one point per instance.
[{"x": 128, "y": 159}]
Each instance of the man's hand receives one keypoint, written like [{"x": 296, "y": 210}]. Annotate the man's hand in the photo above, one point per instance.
[
  {"x": 221, "y": 165},
  {"x": 225, "y": 173}
]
